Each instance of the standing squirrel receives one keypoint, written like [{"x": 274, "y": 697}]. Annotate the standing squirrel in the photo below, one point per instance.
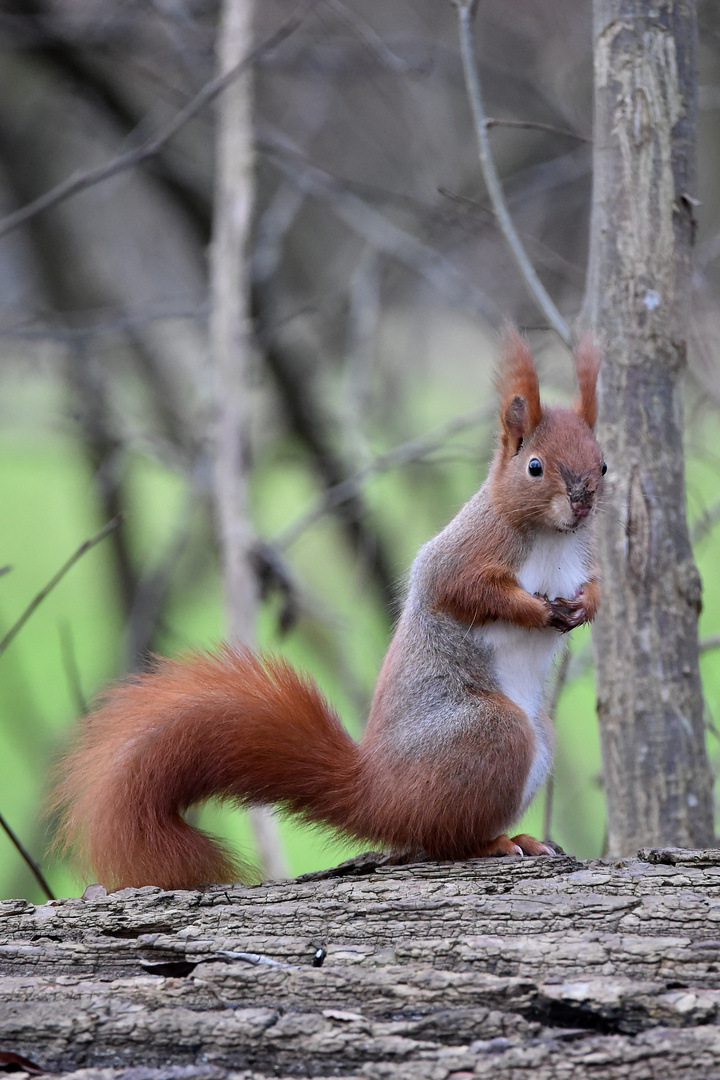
[{"x": 457, "y": 742}]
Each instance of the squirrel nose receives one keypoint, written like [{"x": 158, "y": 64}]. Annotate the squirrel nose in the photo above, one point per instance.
[{"x": 580, "y": 509}]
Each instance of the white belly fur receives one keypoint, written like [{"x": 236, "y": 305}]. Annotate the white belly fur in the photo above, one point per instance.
[{"x": 557, "y": 566}]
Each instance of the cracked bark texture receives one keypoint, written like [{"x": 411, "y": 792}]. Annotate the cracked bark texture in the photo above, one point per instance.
[
  {"x": 541, "y": 968},
  {"x": 650, "y": 702}
]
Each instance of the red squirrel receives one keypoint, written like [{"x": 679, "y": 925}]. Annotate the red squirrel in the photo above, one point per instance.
[{"x": 457, "y": 742}]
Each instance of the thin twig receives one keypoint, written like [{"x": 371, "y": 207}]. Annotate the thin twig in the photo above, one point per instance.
[
  {"x": 534, "y": 125},
  {"x": 370, "y": 39},
  {"x": 255, "y": 958},
  {"x": 404, "y": 454},
  {"x": 710, "y": 722},
  {"x": 705, "y": 524},
  {"x": 708, "y": 643},
  {"x": 152, "y": 145},
  {"x": 466, "y": 13},
  {"x": 25, "y": 854},
  {"x": 72, "y": 671},
  {"x": 378, "y": 230},
  {"x": 47, "y": 589},
  {"x": 560, "y": 679}
]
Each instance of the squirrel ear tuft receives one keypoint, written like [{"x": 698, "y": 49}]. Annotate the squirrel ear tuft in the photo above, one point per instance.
[
  {"x": 515, "y": 422},
  {"x": 517, "y": 383},
  {"x": 587, "y": 363}
]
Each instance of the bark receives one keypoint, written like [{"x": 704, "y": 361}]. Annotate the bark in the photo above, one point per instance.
[
  {"x": 231, "y": 348},
  {"x": 535, "y": 968},
  {"x": 650, "y": 703}
]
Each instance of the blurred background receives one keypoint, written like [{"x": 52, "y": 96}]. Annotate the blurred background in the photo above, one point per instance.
[{"x": 379, "y": 282}]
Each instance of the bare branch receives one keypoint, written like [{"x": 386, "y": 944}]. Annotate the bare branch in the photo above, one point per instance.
[
  {"x": 404, "y": 454},
  {"x": 379, "y": 231},
  {"x": 533, "y": 125},
  {"x": 72, "y": 671},
  {"x": 705, "y": 524},
  {"x": 44, "y": 592},
  {"x": 708, "y": 643},
  {"x": 152, "y": 145},
  {"x": 231, "y": 348},
  {"x": 466, "y": 12},
  {"x": 25, "y": 854},
  {"x": 370, "y": 39}
]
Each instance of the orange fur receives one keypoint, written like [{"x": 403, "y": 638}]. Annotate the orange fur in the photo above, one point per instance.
[
  {"x": 230, "y": 725},
  {"x": 213, "y": 725},
  {"x": 479, "y": 591},
  {"x": 452, "y": 806},
  {"x": 587, "y": 364},
  {"x": 519, "y": 391}
]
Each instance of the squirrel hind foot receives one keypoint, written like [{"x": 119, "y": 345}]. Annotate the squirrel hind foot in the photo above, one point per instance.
[
  {"x": 522, "y": 844},
  {"x": 531, "y": 846}
]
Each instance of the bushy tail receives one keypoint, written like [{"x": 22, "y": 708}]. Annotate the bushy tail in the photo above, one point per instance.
[{"x": 217, "y": 724}]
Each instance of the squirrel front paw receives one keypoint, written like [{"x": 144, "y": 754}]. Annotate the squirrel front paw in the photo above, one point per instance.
[{"x": 565, "y": 614}]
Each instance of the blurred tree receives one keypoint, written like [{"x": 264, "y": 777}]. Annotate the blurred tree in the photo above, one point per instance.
[
  {"x": 231, "y": 348},
  {"x": 650, "y": 700}
]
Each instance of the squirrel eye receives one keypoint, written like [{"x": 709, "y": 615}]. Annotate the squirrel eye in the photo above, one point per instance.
[
  {"x": 604, "y": 468},
  {"x": 535, "y": 467}
]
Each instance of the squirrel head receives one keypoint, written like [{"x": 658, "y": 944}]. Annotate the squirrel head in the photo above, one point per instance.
[{"x": 548, "y": 470}]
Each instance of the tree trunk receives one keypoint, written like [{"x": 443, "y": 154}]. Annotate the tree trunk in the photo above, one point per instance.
[
  {"x": 231, "y": 348},
  {"x": 650, "y": 703}
]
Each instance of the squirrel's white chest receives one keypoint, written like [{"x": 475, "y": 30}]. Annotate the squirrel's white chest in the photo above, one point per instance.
[{"x": 556, "y": 566}]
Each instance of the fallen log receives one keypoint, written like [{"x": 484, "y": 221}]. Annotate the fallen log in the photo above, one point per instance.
[{"x": 532, "y": 968}]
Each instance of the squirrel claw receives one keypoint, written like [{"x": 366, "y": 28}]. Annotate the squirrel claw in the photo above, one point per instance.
[
  {"x": 531, "y": 846},
  {"x": 501, "y": 845}
]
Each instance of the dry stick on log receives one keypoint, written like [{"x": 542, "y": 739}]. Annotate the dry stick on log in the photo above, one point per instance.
[
  {"x": 152, "y": 145},
  {"x": 231, "y": 350},
  {"x": 466, "y": 10}
]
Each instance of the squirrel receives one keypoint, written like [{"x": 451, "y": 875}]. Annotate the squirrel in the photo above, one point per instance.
[{"x": 457, "y": 742}]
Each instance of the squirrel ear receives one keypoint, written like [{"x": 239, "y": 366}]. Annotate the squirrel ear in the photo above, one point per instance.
[
  {"x": 517, "y": 383},
  {"x": 515, "y": 423},
  {"x": 587, "y": 364}
]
